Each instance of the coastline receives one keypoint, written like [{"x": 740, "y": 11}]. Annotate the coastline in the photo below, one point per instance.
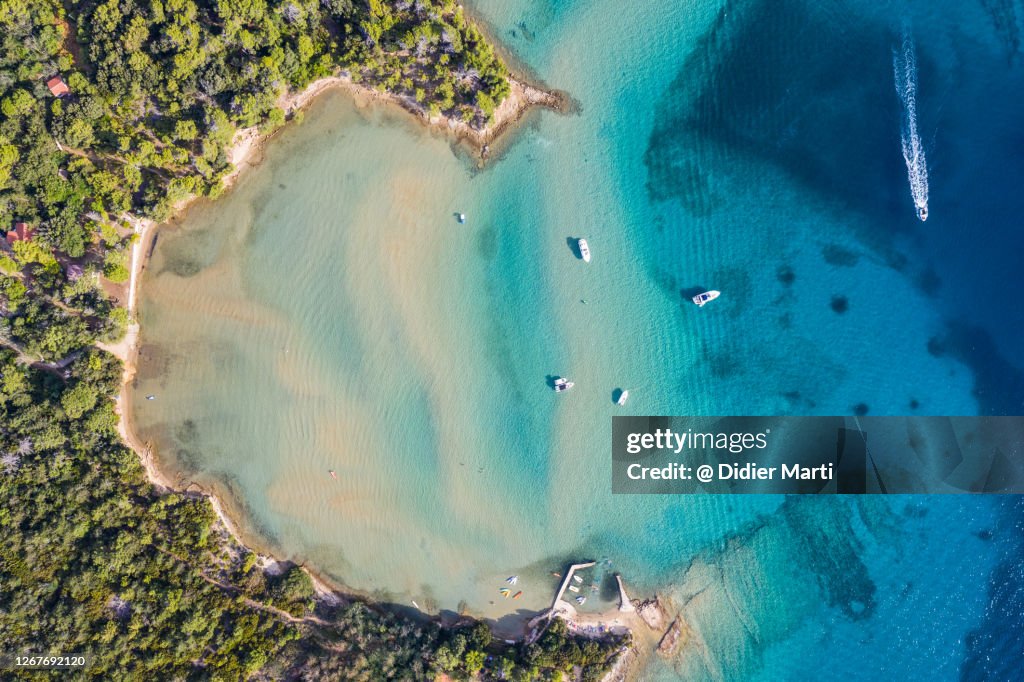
[
  {"x": 522, "y": 98},
  {"x": 244, "y": 152}
]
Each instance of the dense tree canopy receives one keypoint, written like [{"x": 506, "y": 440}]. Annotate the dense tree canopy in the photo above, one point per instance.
[{"x": 158, "y": 88}]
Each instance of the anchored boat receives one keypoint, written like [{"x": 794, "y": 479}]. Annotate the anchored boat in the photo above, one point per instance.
[
  {"x": 584, "y": 249},
  {"x": 562, "y": 384},
  {"x": 701, "y": 299}
]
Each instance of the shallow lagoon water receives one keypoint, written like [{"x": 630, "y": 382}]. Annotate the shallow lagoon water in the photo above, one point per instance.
[{"x": 330, "y": 313}]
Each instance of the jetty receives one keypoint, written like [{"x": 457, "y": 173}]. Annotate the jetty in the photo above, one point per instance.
[
  {"x": 557, "y": 604},
  {"x": 539, "y": 623},
  {"x": 629, "y": 617},
  {"x": 625, "y": 604}
]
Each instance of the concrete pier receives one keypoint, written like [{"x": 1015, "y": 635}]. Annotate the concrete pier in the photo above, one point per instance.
[
  {"x": 565, "y": 585},
  {"x": 624, "y": 602}
]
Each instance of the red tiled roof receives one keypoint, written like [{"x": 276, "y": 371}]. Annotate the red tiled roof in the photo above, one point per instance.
[
  {"x": 20, "y": 232},
  {"x": 57, "y": 86}
]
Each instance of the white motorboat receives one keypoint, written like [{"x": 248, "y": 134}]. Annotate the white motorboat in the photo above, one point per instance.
[
  {"x": 623, "y": 397},
  {"x": 584, "y": 249},
  {"x": 701, "y": 299},
  {"x": 562, "y": 384}
]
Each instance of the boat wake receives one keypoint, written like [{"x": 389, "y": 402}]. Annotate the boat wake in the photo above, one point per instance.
[{"x": 905, "y": 67}]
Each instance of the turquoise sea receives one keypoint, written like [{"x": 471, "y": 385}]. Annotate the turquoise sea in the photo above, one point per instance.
[{"x": 330, "y": 313}]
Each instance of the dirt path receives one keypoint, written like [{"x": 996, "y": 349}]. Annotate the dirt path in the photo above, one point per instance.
[{"x": 237, "y": 592}]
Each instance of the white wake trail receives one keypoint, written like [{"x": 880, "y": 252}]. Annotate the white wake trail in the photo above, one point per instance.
[{"x": 905, "y": 67}]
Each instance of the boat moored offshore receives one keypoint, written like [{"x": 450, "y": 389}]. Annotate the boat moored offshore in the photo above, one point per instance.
[
  {"x": 584, "y": 249},
  {"x": 562, "y": 384},
  {"x": 701, "y": 299}
]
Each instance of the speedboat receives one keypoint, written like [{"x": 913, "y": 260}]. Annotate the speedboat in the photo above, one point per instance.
[
  {"x": 584, "y": 249},
  {"x": 701, "y": 299},
  {"x": 623, "y": 397},
  {"x": 462, "y": 217},
  {"x": 562, "y": 384},
  {"x": 579, "y": 580},
  {"x": 922, "y": 213}
]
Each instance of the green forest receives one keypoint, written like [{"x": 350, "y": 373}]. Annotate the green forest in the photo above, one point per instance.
[{"x": 119, "y": 110}]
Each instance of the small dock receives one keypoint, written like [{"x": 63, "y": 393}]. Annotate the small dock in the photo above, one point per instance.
[
  {"x": 591, "y": 625},
  {"x": 625, "y": 604},
  {"x": 565, "y": 584}
]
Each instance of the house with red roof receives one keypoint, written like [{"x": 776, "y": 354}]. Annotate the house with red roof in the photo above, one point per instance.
[
  {"x": 58, "y": 88},
  {"x": 21, "y": 232}
]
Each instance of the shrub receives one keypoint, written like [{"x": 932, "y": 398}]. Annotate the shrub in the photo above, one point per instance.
[{"x": 115, "y": 266}]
